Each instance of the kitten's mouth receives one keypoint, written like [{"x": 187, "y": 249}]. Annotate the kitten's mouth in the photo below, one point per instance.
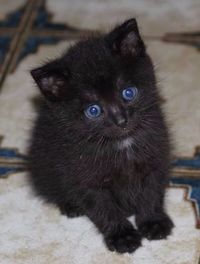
[{"x": 122, "y": 135}]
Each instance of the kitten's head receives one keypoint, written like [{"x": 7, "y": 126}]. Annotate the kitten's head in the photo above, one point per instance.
[{"x": 103, "y": 86}]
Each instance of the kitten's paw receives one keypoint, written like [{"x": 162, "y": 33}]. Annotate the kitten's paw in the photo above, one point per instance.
[
  {"x": 124, "y": 240},
  {"x": 70, "y": 211},
  {"x": 156, "y": 229}
]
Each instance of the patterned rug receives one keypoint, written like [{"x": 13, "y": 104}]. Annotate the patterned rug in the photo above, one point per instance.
[{"x": 34, "y": 30}]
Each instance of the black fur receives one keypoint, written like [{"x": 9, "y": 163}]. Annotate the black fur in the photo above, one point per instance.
[{"x": 81, "y": 165}]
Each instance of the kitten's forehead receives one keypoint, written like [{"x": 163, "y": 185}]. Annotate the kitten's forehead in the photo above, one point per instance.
[
  {"x": 91, "y": 58},
  {"x": 104, "y": 89}
]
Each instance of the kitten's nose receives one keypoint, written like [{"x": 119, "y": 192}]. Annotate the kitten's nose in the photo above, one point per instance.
[
  {"x": 118, "y": 116},
  {"x": 121, "y": 121}
]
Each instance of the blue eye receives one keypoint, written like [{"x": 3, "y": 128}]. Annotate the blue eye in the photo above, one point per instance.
[
  {"x": 93, "y": 111},
  {"x": 129, "y": 93}
]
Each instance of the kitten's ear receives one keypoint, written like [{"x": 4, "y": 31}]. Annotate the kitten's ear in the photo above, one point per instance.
[
  {"x": 125, "y": 39},
  {"x": 52, "y": 81}
]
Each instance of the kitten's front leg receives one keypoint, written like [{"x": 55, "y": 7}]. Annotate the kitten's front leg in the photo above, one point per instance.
[
  {"x": 151, "y": 218},
  {"x": 118, "y": 232}
]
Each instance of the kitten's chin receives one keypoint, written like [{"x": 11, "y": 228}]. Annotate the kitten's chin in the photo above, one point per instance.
[
  {"x": 122, "y": 143},
  {"x": 125, "y": 143}
]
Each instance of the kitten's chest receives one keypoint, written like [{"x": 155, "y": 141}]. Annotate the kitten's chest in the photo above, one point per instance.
[
  {"x": 111, "y": 166},
  {"x": 120, "y": 171}
]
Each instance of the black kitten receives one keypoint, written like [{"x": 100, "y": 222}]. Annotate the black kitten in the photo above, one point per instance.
[{"x": 100, "y": 145}]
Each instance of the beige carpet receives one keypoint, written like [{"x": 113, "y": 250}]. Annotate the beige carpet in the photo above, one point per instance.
[{"x": 33, "y": 232}]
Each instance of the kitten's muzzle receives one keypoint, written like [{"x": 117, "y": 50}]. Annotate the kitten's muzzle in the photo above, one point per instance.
[{"x": 119, "y": 117}]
